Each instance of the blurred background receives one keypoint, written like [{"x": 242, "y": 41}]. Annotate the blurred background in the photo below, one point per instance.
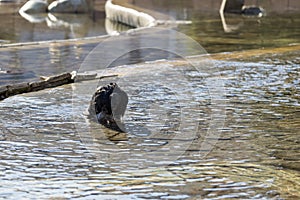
[
  {"x": 279, "y": 26},
  {"x": 215, "y": 31}
]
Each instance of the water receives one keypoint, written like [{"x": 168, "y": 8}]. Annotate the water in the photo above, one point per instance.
[
  {"x": 50, "y": 149},
  {"x": 235, "y": 33},
  {"x": 45, "y": 153},
  {"x": 29, "y": 64},
  {"x": 41, "y": 27},
  {"x": 242, "y": 32}
]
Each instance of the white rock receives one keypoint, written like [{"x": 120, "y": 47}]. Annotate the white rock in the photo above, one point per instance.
[
  {"x": 34, "y": 6},
  {"x": 68, "y": 6},
  {"x": 34, "y": 18},
  {"x": 128, "y": 16}
]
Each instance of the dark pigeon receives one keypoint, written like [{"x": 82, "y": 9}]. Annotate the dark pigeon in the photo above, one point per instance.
[{"x": 109, "y": 104}]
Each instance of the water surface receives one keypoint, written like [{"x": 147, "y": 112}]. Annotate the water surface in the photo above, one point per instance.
[
  {"x": 45, "y": 153},
  {"x": 234, "y": 33},
  {"x": 50, "y": 148}
]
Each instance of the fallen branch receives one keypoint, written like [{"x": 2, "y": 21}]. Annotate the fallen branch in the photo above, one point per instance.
[{"x": 47, "y": 82}]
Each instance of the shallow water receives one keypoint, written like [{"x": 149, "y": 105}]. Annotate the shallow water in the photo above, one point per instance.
[
  {"x": 51, "y": 150},
  {"x": 29, "y": 64},
  {"x": 235, "y": 33},
  {"x": 227, "y": 128},
  {"x": 40, "y": 27}
]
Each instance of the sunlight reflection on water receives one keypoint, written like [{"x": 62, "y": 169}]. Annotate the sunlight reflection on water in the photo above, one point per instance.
[{"x": 42, "y": 154}]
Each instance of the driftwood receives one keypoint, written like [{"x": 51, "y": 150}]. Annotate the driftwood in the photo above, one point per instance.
[
  {"x": 46, "y": 82},
  {"x": 49, "y": 82}
]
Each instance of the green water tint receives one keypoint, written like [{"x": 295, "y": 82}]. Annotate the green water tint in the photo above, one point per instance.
[
  {"x": 256, "y": 156},
  {"x": 273, "y": 30}
]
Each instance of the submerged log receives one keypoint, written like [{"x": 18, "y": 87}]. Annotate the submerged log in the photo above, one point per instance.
[
  {"x": 48, "y": 82},
  {"x": 36, "y": 86},
  {"x": 18, "y": 88},
  {"x": 3, "y": 92},
  {"x": 58, "y": 78}
]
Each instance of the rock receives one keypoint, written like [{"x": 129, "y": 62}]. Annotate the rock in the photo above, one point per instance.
[
  {"x": 145, "y": 20},
  {"x": 114, "y": 27},
  {"x": 238, "y": 7},
  {"x": 234, "y": 6},
  {"x": 34, "y": 6},
  {"x": 69, "y": 6},
  {"x": 253, "y": 10},
  {"x": 128, "y": 16},
  {"x": 34, "y": 18}
]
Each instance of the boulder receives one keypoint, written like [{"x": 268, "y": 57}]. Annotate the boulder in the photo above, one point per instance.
[
  {"x": 34, "y": 6},
  {"x": 234, "y": 6},
  {"x": 68, "y": 6},
  {"x": 34, "y": 18},
  {"x": 253, "y": 10},
  {"x": 128, "y": 16}
]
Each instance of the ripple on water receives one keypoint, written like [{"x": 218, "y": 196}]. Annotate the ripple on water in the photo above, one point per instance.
[{"x": 43, "y": 155}]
